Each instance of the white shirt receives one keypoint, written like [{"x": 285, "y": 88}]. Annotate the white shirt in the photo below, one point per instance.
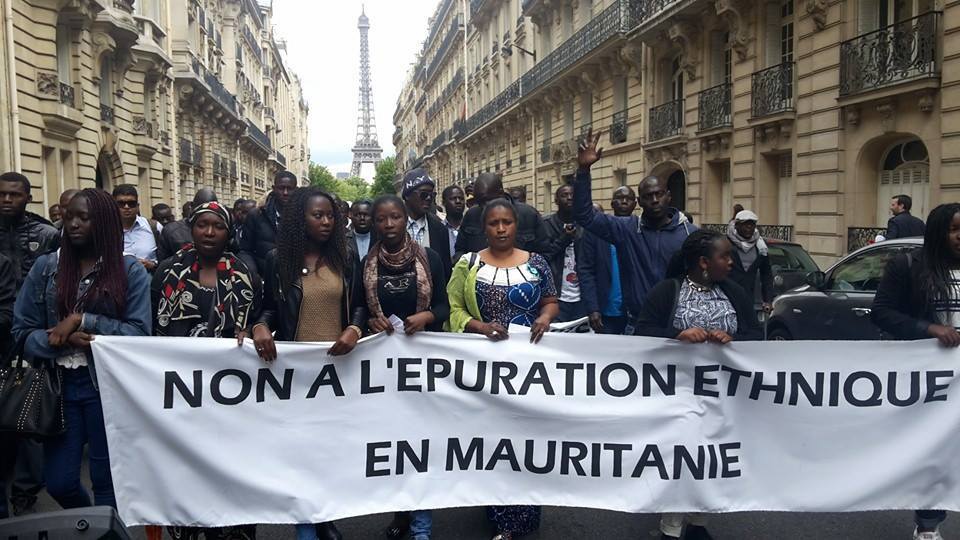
[
  {"x": 139, "y": 240},
  {"x": 419, "y": 230},
  {"x": 570, "y": 284},
  {"x": 363, "y": 243}
]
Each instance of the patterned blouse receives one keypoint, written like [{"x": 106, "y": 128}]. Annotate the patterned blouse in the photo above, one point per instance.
[
  {"x": 709, "y": 310},
  {"x": 512, "y": 295}
]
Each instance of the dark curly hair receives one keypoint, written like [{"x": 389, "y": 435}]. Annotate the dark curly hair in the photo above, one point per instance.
[
  {"x": 292, "y": 237},
  {"x": 700, "y": 243},
  {"x": 936, "y": 253},
  {"x": 106, "y": 239}
]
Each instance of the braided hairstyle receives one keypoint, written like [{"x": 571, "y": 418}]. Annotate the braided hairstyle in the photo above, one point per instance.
[
  {"x": 106, "y": 237},
  {"x": 937, "y": 254},
  {"x": 700, "y": 243},
  {"x": 292, "y": 235}
]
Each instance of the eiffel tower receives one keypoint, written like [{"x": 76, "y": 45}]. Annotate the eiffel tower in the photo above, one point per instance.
[{"x": 366, "y": 149}]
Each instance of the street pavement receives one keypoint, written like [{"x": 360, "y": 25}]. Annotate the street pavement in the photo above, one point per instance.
[{"x": 588, "y": 524}]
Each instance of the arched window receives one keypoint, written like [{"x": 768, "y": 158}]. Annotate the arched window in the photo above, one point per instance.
[{"x": 905, "y": 170}]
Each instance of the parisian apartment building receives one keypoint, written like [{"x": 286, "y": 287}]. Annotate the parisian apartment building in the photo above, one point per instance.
[
  {"x": 812, "y": 113},
  {"x": 168, "y": 95}
]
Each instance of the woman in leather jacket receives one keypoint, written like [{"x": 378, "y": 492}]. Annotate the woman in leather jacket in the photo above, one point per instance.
[{"x": 313, "y": 291}]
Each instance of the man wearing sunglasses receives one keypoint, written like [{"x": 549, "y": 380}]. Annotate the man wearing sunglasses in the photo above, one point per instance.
[
  {"x": 419, "y": 195},
  {"x": 139, "y": 235}
]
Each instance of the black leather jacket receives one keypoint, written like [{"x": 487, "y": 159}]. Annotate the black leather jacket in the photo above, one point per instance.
[
  {"x": 281, "y": 309},
  {"x": 531, "y": 234},
  {"x": 26, "y": 240},
  {"x": 260, "y": 236}
]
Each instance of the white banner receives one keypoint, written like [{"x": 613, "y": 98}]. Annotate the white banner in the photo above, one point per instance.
[{"x": 202, "y": 432}]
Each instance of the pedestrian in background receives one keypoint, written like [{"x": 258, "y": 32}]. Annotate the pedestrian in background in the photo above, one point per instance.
[
  {"x": 260, "y": 230},
  {"x": 751, "y": 260},
  {"x": 426, "y": 229},
  {"x": 564, "y": 239},
  {"x": 87, "y": 288},
  {"x": 139, "y": 235},
  {"x": 454, "y": 205},
  {"x": 531, "y": 234},
  {"x": 598, "y": 268},
  {"x": 65, "y": 198},
  {"x": 903, "y": 224},
  {"x": 162, "y": 214},
  {"x": 919, "y": 298},
  {"x": 359, "y": 236}
]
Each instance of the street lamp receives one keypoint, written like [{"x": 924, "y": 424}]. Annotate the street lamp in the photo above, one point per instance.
[{"x": 507, "y": 51}]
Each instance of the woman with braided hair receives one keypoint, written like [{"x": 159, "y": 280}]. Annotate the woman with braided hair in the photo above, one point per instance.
[
  {"x": 86, "y": 289},
  {"x": 404, "y": 280},
  {"x": 699, "y": 307},
  {"x": 206, "y": 291},
  {"x": 313, "y": 291}
]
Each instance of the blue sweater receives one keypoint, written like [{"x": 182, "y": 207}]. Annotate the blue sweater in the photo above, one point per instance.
[{"x": 643, "y": 251}]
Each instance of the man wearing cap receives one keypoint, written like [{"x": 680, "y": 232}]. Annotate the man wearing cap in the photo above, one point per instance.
[
  {"x": 419, "y": 194},
  {"x": 750, "y": 258}
]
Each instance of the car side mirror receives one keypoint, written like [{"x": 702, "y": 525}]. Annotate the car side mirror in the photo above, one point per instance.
[{"x": 817, "y": 279}]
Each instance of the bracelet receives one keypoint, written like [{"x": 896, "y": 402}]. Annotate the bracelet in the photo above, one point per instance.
[
  {"x": 356, "y": 329},
  {"x": 254, "y": 327}
]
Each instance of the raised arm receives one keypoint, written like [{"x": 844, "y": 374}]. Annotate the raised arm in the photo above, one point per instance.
[{"x": 598, "y": 223}]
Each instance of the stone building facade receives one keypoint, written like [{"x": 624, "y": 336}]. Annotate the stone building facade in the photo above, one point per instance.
[
  {"x": 813, "y": 113},
  {"x": 156, "y": 93}
]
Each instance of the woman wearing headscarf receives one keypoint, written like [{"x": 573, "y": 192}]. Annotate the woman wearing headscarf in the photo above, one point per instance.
[
  {"x": 403, "y": 280},
  {"x": 204, "y": 290}
]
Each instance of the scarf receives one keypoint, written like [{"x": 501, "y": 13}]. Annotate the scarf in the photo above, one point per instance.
[
  {"x": 411, "y": 253},
  {"x": 746, "y": 244}
]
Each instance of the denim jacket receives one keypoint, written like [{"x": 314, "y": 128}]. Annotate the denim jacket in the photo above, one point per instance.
[{"x": 36, "y": 310}]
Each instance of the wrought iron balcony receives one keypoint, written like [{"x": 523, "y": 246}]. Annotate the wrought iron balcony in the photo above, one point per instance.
[
  {"x": 901, "y": 52},
  {"x": 67, "y": 95},
  {"x": 197, "y": 155},
  {"x": 666, "y": 120},
  {"x": 477, "y": 5},
  {"x": 445, "y": 47},
  {"x": 498, "y": 105},
  {"x": 186, "y": 151},
  {"x": 618, "y": 129},
  {"x": 858, "y": 237},
  {"x": 420, "y": 103},
  {"x": 441, "y": 14},
  {"x": 220, "y": 93},
  {"x": 280, "y": 158},
  {"x": 106, "y": 113},
  {"x": 772, "y": 90},
  {"x": 644, "y": 11},
  {"x": 715, "y": 107},
  {"x": 258, "y": 135},
  {"x": 252, "y": 42}
]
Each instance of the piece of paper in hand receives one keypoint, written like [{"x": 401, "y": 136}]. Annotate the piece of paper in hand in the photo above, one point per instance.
[{"x": 396, "y": 322}]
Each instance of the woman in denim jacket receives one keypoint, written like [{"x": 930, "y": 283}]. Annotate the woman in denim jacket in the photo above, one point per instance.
[{"x": 86, "y": 289}]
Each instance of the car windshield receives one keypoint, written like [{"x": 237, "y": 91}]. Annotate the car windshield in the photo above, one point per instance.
[{"x": 790, "y": 258}]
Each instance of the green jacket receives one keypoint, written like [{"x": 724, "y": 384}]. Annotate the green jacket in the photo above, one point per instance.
[{"x": 462, "y": 292}]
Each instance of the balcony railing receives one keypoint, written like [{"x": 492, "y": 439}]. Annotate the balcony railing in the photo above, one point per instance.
[
  {"x": 220, "y": 93},
  {"x": 643, "y": 11},
  {"x": 67, "y": 95},
  {"x": 901, "y": 52},
  {"x": 185, "y": 152},
  {"x": 106, "y": 113},
  {"x": 476, "y": 6},
  {"x": 778, "y": 232},
  {"x": 252, "y": 42},
  {"x": 858, "y": 237},
  {"x": 618, "y": 129},
  {"x": 772, "y": 90},
  {"x": 666, "y": 120},
  {"x": 281, "y": 159},
  {"x": 447, "y": 93},
  {"x": 445, "y": 46},
  {"x": 612, "y": 21},
  {"x": 197, "y": 155},
  {"x": 715, "y": 107},
  {"x": 258, "y": 135}
]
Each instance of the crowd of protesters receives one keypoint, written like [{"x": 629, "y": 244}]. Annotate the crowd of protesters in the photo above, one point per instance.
[{"x": 305, "y": 266}]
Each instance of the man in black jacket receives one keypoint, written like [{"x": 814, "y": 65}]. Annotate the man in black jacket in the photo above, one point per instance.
[
  {"x": 260, "y": 231},
  {"x": 419, "y": 193},
  {"x": 903, "y": 224},
  {"x": 565, "y": 238},
  {"x": 531, "y": 234},
  {"x": 9, "y": 446},
  {"x": 24, "y": 236},
  {"x": 750, "y": 259}
]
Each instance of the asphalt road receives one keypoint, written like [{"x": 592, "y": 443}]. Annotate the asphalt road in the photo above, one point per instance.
[{"x": 582, "y": 523}]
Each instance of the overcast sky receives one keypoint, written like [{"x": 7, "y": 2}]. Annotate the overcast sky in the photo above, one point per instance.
[{"x": 323, "y": 47}]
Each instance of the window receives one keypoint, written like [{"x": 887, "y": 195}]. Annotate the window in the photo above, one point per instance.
[
  {"x": 63, "y": 53},
  {"x": 568, "y": 121},
  {"x": 106, "y": 81},
  {"x": 905, "y": 171},
  {"x": 586, "y": 109},
  {"x": 786, "y": 32},
  {"x": 788, "y": 258},
  {"x": 785, "y": 193},
  {"x": 861, "y": 273}
]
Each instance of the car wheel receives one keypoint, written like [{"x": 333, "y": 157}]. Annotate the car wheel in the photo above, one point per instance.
[{"x": 779, "y": 334}]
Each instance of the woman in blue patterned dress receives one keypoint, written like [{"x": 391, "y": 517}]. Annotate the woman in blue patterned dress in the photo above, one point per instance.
[{"x": 489, "y": 291}]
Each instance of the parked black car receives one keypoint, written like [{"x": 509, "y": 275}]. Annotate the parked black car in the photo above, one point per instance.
[
  {"x": 835, "y": 305},
  {"x": 790, "y": 264}
]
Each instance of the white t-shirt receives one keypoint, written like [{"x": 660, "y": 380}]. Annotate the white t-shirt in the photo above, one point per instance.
[{"x": 570, "y": 284}]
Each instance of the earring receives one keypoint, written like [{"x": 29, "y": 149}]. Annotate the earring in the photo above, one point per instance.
[{"x": 706, "y": 276}]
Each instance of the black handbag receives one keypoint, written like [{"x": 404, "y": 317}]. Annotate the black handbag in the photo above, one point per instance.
[{"x": 31, "y": 400}]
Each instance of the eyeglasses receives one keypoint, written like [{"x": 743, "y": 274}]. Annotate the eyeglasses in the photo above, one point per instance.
[
  {"x": 428, "y": 195},
  {"x": 128, "y": 204}
]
